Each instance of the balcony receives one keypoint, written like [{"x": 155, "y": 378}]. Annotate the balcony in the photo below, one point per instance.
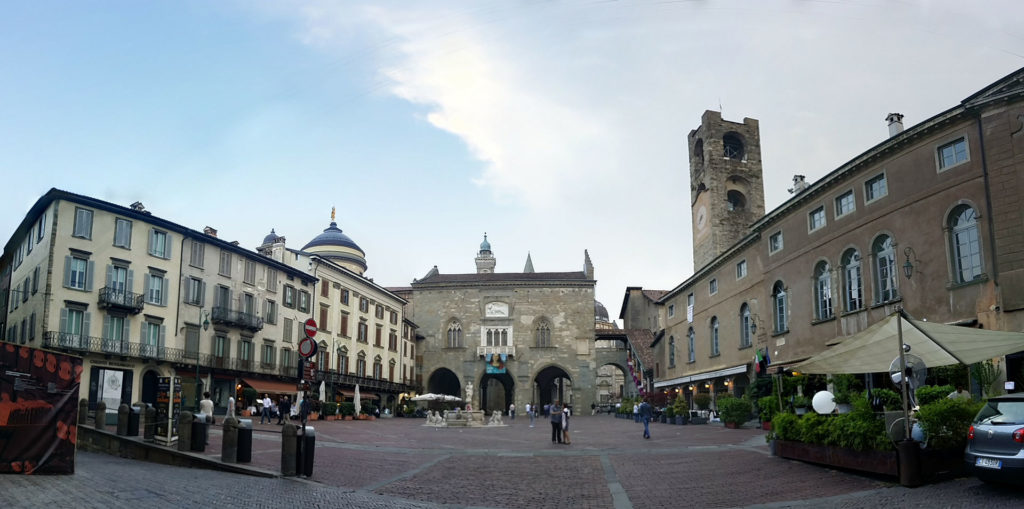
[
  {"x": 483, "y": 351},
  {"x": 112, "y": 298},
  {"x": 365, "y": 383},
  {"x": 234, "y": 318}
]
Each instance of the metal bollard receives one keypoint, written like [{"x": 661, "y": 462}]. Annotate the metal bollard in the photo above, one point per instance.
[
  {"x": 150, "y": 428},
  {"x": 100, "y": 421},
  {"x": 184, "y": 430},
  {"x": 122, "y": 419},
  {"x": 83, "y": 411},
  {"x": 229, "y": 441},
  {"x": 289, "y": 445}
]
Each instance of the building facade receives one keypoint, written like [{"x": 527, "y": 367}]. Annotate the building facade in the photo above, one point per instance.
[
  {"x": 140, "y": 297},
  {"x": 927, "y": 220},
  {"x": 499, "y": 338}
]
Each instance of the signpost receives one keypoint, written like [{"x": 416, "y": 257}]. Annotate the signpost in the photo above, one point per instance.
[
  {"x": 307, "y": 371},
  {"x": 310, "y": 328}
]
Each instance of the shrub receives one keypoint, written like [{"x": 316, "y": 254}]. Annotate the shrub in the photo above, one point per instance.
[
  {"x": 670, "y": 412},
  {"x": 931, "y": 393},
  {"x": 249, "y": 396},
  {"x": 702, "y": 400},
  {"x": 767, "y": 407},
  {"x": 733, "y": 410},
  {"x": 801, "y": 402},
  {"x": 367, "y": 409},
  {"x": 330, "y": 408},
  {"x": 784, "y": 427},
  {"x": 888, "y": 398},
  {"x": 945, "y": 421},
  {"x": 680, "y": 406},
  {"x": 844, "y": 385},
  {"x": 348, "y": 408}
]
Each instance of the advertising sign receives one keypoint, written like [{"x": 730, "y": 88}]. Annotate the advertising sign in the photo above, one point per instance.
[
  {"x": 38, "y": 410},
  {"x": 168, "y": 404}
]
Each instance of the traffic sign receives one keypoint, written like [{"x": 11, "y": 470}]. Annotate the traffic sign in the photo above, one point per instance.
[
  {"x": 307, "y": 347},
  {"x": 310, "y": 328}
]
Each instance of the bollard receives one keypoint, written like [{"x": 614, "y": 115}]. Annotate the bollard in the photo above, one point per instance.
[
  {"x": 100, "y": 419},
  {"x": 289, "y": 443},
  {"x": 229, "y": 441},
  {"x": 83, "y": 411},
  {"x": 150, "y": 428},
  {"x": 122, "y": 420},
  {"x": 184, "y": 430}
]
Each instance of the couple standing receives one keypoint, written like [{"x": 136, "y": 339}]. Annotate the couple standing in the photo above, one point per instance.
[{"x": 560, "y": 423}]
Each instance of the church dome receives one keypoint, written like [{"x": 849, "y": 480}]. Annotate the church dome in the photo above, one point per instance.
[
  {"x": 271, "y": 238},
  {"x": 338, "y": 247},
  {"x": 600, "y": 312},
  {"x": 485, "y": 247}
]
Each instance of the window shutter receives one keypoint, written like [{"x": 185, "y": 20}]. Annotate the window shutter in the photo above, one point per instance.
[
  {"x": 163, "y": 335},
  {"x": 88, "y": 276},
  {"x": 124, "y": 331},
  {"x": 188, "y": 288},
  {"x": 85, "y": 325},
  {"x": 110, "y": 274},
  {"x": 166, "y": 290},
  {"x": 145, "y": 287},
  {"x": 35, "y": 280},
  {"x": 106, "y": 327},
  {"x": 152, "y": 236},
  {"x": 142, "y": 333},
  {"x": 67, "y": 272},
  {"x": 129, "y": 285},
  {"x": 63, "y": 320},
  {"x": 202, "y": 294},
  {"x": 170, "y": 244}
]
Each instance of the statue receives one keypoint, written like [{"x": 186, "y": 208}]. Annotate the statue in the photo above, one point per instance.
[
  {"x": 469, "y": 394},
  {"x": 496, "y": 419}
]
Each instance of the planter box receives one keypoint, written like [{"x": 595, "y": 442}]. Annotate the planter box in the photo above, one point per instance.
[
  {"x": 680, "y": 420},
  {"x": 348, "y": 417},
  {"x": 767, "y": 426},
  {"x": 732, "y": 425},
  {"x": 877, "y": 462}
]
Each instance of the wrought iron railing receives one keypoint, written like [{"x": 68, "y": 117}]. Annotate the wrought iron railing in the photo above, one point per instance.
[
  {"x": 234, "y": 318},
  {"x": 365, "y": 383},
  {"x": 112, "y": 297}
]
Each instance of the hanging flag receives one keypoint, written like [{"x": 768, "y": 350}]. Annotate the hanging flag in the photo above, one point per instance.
[
  {"x": 767, "y": 358},
  {"x": 757, "y": 360}
]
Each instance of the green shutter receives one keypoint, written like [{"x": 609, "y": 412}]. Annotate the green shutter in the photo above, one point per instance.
[
  {"x": 166, "y": 290},
  {"x": 149, "y": 246},
  {"x": 129, "y": 284},
  {"x": 202, "y": 294},
  {"x": 67, "y": 272},
  {"x": 106, "y": 327},
  {"x": 63, "y": 320},
  {"x": 169, "y": 243},
  {"x": 88, "y": 276},
  {"x": 85, "y": 325},
  {"x": 110, "y": 274}
]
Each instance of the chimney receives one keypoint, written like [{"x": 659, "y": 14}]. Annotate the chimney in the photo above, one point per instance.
[
  {"x": 799, "y": 184},
  {"x": 895, "y": 121},
  {"x": 210, "y": 231},
  {"x": 137, "y": 207}
]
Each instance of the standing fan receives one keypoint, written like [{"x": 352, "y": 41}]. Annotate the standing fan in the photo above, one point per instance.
[{"x": 914, "y": 375}]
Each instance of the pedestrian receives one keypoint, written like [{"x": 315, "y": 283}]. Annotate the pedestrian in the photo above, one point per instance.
[
  {"x": 530, "y": 409},
  {"x": 593, "y": 408},
  {"x": 512, "y": 411},
  {"x": 556, "y": 423},
  {"x": 266, "y": 408},
  {"x": 645, "y": 415},
  {"x": 547, "y": 409},
  {"x": 304, "y": 408},
  {"x": 959, "y": 393},
  {"x": 636, "y": 412},
  {"x": 206, "y": 407},
  {"x": 284, "y": 410},
  {"x": 566, "y": 413}
]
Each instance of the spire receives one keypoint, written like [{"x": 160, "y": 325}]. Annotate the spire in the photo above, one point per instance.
[
  {"x": 529, "y": 264},
  {"x": 588, "y": 266},
  {"x": 332, "y": 214}
]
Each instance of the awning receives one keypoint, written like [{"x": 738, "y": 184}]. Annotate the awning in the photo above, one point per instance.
[
  {"x": 270, "y": 386},
  {"x": 362, "y": 395},
  {"x": 735, "y": 370},
  {"x": 873, "y": 349}
]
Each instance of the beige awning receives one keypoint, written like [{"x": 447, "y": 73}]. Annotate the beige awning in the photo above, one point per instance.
[{"x": 873, "y": 349}]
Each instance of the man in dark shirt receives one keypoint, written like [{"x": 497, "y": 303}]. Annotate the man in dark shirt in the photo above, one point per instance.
[
  {"x": 556, "y": 423},
  {"x": 645, "y": 415}
]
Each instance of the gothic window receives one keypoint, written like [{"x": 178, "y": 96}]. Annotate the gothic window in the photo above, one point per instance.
[
  {"x": 779, "y": 307},
  {"x": 853, "y": 293},
  {"x": 690, "y": 346},
  {"x": 671, "y": 351},
  {"x": 714, "y": 336},
  {"x": 885, "y": 269},
  {"x": 733, "y": 147},
  {"x": 963, "y": 226},
  {"x": 822, "y": 291},
  {"x": 454, "y": 334},
  {"x": 543, "y": 333}
]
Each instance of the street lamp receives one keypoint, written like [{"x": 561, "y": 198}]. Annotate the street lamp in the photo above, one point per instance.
[
  {"x": 908, "y": 268},
  {"x": 206, "y": 326}
]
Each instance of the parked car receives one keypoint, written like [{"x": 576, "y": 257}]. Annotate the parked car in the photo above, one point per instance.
[{"x": 995, "y": 440}]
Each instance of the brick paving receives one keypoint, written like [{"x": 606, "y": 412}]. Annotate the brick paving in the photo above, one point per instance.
[{"x": 400, "y": 463}]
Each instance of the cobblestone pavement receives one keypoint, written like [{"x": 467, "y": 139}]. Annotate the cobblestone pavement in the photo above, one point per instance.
[{"x": 400, "y": 463}]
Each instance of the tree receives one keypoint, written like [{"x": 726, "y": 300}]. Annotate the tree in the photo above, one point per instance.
[{"x": 985, "y": 375}]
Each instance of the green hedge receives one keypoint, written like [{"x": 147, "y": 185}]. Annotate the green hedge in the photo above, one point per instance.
[
  {"x": 859, "y": 430},
  {"x": 702, "y": 400},
  {"x": 768, "y": 407},
  {"x": 931, "y": 393},
  {"x": 945, "y": 421},
  {"x": 348, "y": 408},
  {"x": 733, "y": 410}
]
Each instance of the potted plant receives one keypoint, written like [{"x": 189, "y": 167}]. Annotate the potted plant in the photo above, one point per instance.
[
  {"x": 733, "y": 411},
  {"x": 669, "y": 416},
  {"x": 843, "y": 387},
  {"x": 801, "y": 404},
  {"x": 681, "y": 410},
  {"x": 767, "y": 407},
  {"x": 347, "y": 410}
]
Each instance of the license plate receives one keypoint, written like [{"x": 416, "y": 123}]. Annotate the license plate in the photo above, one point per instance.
[{"x": 988, "y": 463}]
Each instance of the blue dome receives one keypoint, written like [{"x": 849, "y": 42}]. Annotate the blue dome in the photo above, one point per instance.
[
  {"x": 271, "y": 238},
  {"x": 485, "y": 246},
  {"x": 332, "y": 236}
]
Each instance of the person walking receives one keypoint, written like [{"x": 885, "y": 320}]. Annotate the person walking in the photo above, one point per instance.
[
  {"x": 645, "y": 415},
  {"x": 206, "y": 407},
  {"x": 556, "y": 424},
  {"x": 265, "y": 412},
  {"x": 529, "y": 413},
  {"x": 566, "y": 413},
  {"x": 636, "y": 412},
  {"x": 284, "y": 410},
  {"x": 512, "y": 411}
]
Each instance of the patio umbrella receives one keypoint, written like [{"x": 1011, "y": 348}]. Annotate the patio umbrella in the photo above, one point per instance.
[{"x": 359, "y": 407}]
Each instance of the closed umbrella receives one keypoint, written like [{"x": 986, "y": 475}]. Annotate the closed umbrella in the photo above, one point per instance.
[{"x": 359, "y": 407}]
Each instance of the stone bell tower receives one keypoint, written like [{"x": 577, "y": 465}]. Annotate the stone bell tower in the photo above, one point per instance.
[
  {"x": 726, "y": 184},
  {"x": 485, "y": 261}
]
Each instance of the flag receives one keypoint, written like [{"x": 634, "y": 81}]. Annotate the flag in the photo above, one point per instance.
[
  {"x": 767, "y": 358},
  {"x": 757, "y": 360}
]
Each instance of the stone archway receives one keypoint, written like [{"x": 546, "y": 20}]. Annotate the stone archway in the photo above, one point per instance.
[
  {"x": 610, "y": 384},
  {"x": 444, "y": 381},
  {"x": 496, "y": 392},
  {"x": 553, "y": 385}
]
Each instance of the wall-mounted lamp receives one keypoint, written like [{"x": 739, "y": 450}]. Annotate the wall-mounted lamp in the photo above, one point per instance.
[
  {"x": 754, "y": 320},
  {"x": 908, "y": 268},
  {"x": 726, "y": 383}
]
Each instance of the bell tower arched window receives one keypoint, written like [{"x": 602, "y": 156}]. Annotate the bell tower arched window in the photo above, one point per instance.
[{"x": 732, "y": 147}]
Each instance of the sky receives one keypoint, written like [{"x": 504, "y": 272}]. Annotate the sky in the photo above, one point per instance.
[{"x": 553, "y": 126}]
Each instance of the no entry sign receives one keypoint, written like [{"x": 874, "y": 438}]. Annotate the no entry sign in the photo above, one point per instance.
[{"x": 310, "y": 328}]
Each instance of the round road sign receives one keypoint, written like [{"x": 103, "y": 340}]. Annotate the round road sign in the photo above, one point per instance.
[
  {"x": 307, "y": 347},
  {"x": 310, "y": 328}
]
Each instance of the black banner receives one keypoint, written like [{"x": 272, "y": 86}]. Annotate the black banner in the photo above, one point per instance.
[{"x": 38, "y": 410}]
